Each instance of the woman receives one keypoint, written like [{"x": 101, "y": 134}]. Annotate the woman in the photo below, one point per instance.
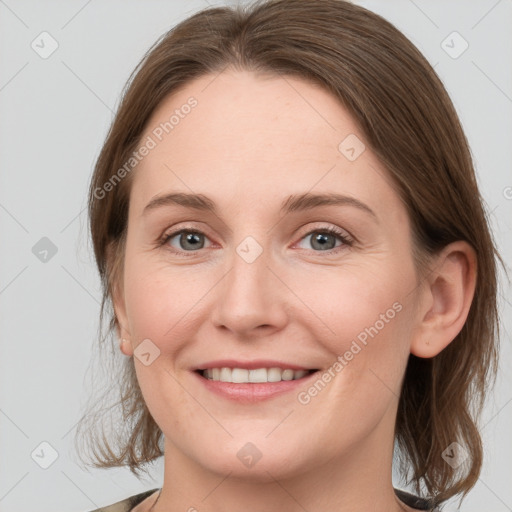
[{"x": 286, "y": 220}]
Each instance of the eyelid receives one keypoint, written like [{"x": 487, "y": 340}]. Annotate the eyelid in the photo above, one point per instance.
[
  {"x": 182, "y": 227},
  {"x": 336, "y": 230}
]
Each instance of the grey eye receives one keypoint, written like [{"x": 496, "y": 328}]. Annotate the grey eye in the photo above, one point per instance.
[
  {"x": 188, "y": 240},
  {"x": 321, "y": 240}
]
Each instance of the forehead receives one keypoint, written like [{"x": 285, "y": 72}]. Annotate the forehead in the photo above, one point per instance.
[{"x": 256, "y": 137}]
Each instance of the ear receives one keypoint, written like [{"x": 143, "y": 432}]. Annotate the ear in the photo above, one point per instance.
[
  {"x": 115, "y": 276},
  {"x": 446, "y": 299}
]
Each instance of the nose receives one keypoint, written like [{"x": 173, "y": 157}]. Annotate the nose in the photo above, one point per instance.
[{"x": 250, "y": 300}]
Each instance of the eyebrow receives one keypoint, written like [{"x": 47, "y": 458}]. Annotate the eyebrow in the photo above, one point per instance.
[{"x": 301, "y": 202}]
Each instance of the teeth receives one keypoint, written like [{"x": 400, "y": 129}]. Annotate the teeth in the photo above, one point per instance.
[
  {"x": 225, "y": 375},
  {"x": 287, "y": 375},
  {"x": 243, "y": 376},
  {"x": 259, "y": 375},
  {"x": 238, "y": 375},
  {"x": 274, "y": 374}
]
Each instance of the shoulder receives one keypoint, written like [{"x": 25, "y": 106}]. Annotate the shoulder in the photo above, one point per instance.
[{"x": 127, "y": 504}]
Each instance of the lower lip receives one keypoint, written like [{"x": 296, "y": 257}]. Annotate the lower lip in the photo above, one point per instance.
[{"x": 252, "y": 392}]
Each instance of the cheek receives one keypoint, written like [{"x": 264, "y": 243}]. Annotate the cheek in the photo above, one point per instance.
[
  {"x": 363, "y": 314},
  {"x": 369, "y": 347},
  {"x": 158, "y": 299},
  {"x": 357, "y": 301}
]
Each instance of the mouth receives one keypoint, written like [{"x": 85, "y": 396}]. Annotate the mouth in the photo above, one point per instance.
[
  {"x": 253, "y": 376},
  {"x": 254, "y": 383}
]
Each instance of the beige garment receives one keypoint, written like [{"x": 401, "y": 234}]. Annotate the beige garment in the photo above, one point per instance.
[{"x": 128, "y": 504}]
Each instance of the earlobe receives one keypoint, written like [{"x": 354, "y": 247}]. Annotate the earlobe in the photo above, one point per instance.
[
  {"x": 126, "y": 347},
  {"x": 448, "y": 296}
]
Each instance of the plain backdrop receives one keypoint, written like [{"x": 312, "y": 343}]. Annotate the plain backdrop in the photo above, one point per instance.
[{"x": 55, "y": 112}]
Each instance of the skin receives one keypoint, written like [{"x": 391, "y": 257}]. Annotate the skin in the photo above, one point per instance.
[{"x": 251, "y": 142}]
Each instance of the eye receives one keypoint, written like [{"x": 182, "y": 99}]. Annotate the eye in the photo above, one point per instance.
[
  {"x": 325, "y": 239},
  {"x": 189, "y": 240},
  {"x": 185, "y": 240}
]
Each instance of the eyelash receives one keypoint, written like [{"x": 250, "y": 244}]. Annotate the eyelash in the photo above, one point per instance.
[{"x": 329, "y": 230}]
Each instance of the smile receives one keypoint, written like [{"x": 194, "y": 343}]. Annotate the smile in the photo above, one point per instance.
[
  {"x": 254, "y": 383},
  {"x": 257, "y": 375}
]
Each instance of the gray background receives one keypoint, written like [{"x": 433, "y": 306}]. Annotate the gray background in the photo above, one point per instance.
[{"x": 54, "y": 116}]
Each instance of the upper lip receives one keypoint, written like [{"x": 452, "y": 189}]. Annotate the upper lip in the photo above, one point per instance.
[{"x": 250, "y": 365}]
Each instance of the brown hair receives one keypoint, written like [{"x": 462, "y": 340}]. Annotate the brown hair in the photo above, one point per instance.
[{"x": 408, "y": 121}]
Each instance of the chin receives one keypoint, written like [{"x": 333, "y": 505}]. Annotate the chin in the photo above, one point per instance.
[{"x": 252, "y": 461}]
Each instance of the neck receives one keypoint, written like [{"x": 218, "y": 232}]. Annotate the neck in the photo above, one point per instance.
[{"x": 356, "y": 481}]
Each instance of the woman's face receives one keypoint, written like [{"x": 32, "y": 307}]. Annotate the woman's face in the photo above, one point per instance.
[{"x": 266, "y": 274}]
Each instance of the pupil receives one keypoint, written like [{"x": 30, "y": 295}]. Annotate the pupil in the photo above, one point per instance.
[
  {"x": 322, "y": 240},
  {"x": 192, "y": 239}
]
